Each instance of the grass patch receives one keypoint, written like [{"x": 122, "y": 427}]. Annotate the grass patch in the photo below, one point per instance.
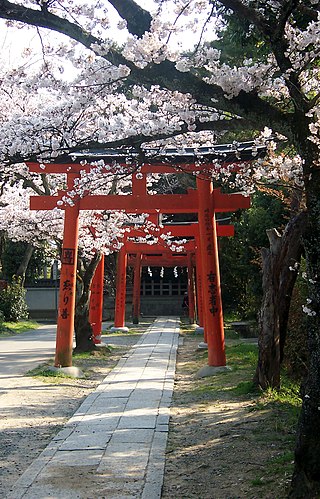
[
  {"x": 245, "y": 388},
  {"x": 243, "y": 355},
  {"x": 231, "y": 334},
  {"x": 287, "y": 397},
  {"x": 288, "y": 394},
  {"x": 282, "y": 460},
  {"x": 8, "y": 328},
  {"x": 226, "y": 383},
  {"x": 278, "y": 468},
  {"x": 284, "y": 405},
  {"x": 242, "y": 360},
  {"x": 132, "y": 331},
  {"x": 45, "y": 375},
  {"x": 258, "y": 482},
  {"x": 100, "y": 353},
  {"x": 135, "y": 330},
  {"x": 85, "y": 361},
  {"x": 187, "y": 328}
]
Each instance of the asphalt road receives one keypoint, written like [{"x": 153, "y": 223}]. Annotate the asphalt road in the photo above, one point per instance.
[{"x": 20, "y": 353}]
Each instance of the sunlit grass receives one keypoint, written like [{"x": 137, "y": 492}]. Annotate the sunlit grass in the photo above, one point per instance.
[
  {"x": 131, "y": 330},
  {"x": 43, "y": 373},
  {"x": 238, "y": 380},
  {"x": 100, "y": 353},
  {"x": 19, "y": 327},
  {"x": 188, "y": 329},
  {"x": 242, "y": 355}
]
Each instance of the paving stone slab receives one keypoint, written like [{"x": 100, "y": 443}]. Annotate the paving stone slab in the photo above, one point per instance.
[
  {"x": 139, "y": 435},
  {"x": 115, "y": 392},
  {"x": 127, "y": 460},
  {"x": 162, "y": 428},
  {"x": 144, "y": 404},
  {"x": 137, "y": 422},
  {"x": 77, "y": 458},
  {"x": 107, "y": 422},
  {"x": 108, "y": 404},
  {"x": 81, "y": 441},
  {"x": 63, "y": 434}
]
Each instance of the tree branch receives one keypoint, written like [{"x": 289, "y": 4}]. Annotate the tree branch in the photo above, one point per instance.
[
  {"x": 165, "y": 74},
  {"x": 138, "y": 19},
  {"x": 246, "y": 12},
  {"x": 134, "y": 141},
  {"x": 38, "y": 18}
]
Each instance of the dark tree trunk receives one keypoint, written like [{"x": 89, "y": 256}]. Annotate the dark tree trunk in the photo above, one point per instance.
[
  {"x": 306, "y": 477},
  {"x": 82, "y": 326},
  {"x": 22, "y": 269},
  {"x": 278, "y": 282}
]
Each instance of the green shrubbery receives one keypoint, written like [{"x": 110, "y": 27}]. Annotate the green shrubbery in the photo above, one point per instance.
[
  {"x": 1, "y": 321},
  {"x": 240, "y": 256},
  {"x": 13, "y": 305}
]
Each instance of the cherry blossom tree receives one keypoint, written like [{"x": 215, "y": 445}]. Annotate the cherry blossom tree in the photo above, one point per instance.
[
  {"x": 97, "y": 235},
  {"x": 145, "y": 90},
  {"x": 100, "y": 232}
]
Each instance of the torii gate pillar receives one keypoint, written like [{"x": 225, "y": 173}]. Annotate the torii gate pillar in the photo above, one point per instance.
[
  {"x": 96, "y": 302},
  {"x": 136, "y": 289},
  {"x": 191, "y": 299},
  {"x": 199, "y": 277},
  {"x": 67, "y": 294},
  {"x": 210, "y": 274},
  {"x": 121, "y": 283}
]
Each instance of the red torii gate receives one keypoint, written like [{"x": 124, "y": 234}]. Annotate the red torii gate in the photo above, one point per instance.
[
  {"x": 96, "y": 301},
  {"x": 140, "y": 260},
  {"x": 141, "y": 251},
  {"x": 132, "y": 247},
  {"x": 168, "y": 258},
  {"x": 205, "y": 201}
]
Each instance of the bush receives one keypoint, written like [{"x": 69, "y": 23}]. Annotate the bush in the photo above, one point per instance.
[
  {"x": 13, "y": 302},
  {"x": 2, "y": 326}
]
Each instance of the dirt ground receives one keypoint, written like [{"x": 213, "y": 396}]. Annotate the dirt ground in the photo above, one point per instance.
[
  {"x": 34, "y": 409},
  {"x": 219, "y": 447}
]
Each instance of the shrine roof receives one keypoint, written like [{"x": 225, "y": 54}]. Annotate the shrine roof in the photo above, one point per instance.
[{"x": 240, "y": 151}]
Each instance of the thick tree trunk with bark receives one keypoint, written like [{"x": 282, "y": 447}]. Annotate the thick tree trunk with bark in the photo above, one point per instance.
[
  {"x": 278, "y": 282},
  {"x": 306, "y": 477},
  {"x": 82, "y": 326},
  {"x": 22, "y": 269}
]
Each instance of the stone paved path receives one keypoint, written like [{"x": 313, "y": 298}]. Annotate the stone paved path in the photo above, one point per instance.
[{"x": 114, "y": 445}]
